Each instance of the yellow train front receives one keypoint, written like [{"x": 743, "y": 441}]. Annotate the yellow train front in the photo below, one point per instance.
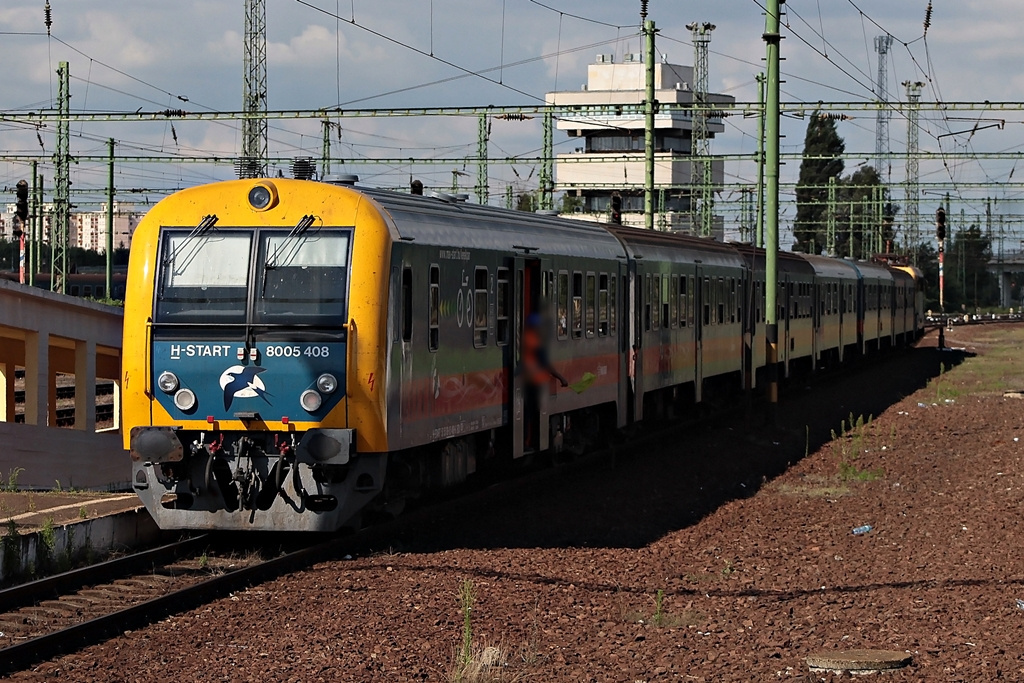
[{"x": 252, "y": 369}]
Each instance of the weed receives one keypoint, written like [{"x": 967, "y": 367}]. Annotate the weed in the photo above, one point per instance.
[
  {"x": 728, "y": 569},
  {"x": 57, "y": 488},
  {"x": 12, "y": 479},
  {"x": 47, "y": 544},
  {"x": 83, "y": 513},
  {"x": 658, "y": 618},
  {"x": 11, "y": 544},
  {"x": 466, "y": 597},
  {"x": 204, "y": 561},
  {"x": 68, "y": 556}
]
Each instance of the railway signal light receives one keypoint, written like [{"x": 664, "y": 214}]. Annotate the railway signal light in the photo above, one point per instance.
[
  {"x": 940, "y": 224},
  {"x": 20, "y": 207},
  {"x": 616, "y": 209}
]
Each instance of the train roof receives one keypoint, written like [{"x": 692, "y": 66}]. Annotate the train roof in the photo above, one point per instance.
[
  {"x": 788, "y": 262},
  {"x": 445, "y": 222},
  {"x": 671, "y": 246},
  {"x": 825, "y": 266}
]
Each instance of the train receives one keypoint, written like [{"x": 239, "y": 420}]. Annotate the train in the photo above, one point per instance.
[
  {"x": 88, "y": 285},
  {"x": 301, "y": 355}
]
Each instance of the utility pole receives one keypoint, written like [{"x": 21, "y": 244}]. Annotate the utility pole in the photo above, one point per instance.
[
  {"x": 760, "y": 161},
  {"x": 547, "y": 200},
  {"x": 849, "y": 244},
  {"x": 772, "y": 39},
  {"x": 62, "y": 185},
  {"x": 830, "y": 218},
  {"x": 649, "y": 104},
  {"x": 325, "y": 160},
  {"x": 701, "y": 179},
  {"x": 882, "y": 45},
  {"x": 109, "y": 271},
  {"x": 481, "y": 160},
  {"x": 912, "y": 195},
  {"x": 253, "y": 163},
  {"x": 34, "y": 226}
]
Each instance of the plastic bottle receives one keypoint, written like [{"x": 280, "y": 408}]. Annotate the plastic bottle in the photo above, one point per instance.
[{"x": 862, "y": 530}]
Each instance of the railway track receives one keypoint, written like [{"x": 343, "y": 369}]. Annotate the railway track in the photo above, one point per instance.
[{"x": 67, "y": 612}]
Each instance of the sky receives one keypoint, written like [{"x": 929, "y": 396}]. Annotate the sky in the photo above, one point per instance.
[{"x": 130, "y": 54}]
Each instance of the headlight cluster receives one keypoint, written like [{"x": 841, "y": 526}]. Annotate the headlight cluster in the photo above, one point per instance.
[
  {"x": 311, "y": 399},
  {"x": 184, "y": 399}
]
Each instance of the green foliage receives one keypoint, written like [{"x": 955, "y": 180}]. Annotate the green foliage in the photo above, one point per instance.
[
  {"x": 850, "y": 448},
  {"x": 47, "y": 545},
  {"x": 569, "y": 203},
  {"x": 527, "y": 201},
  {"x": 823, "y": 149},
  {"x": 204, "y": 561}
]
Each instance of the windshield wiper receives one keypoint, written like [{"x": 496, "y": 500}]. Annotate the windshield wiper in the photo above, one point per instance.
[
  {"x": 280, "y": 255},
  {"x": 204, "y": 227}
]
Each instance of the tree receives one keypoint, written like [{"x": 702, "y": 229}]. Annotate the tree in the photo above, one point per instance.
[
  {"x": 823, "y": 149},
  {"x": 858, "y": 193},
  {"x": 570, "y": 203},
  {"x": 968, "y": 254},
  {"x": 527, "y": 201}
]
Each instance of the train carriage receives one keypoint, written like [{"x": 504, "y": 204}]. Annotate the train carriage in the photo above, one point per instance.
[{"x": 299, "y": 352}]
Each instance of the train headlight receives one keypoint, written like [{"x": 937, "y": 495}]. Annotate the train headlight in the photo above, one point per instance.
[
  {"x": 185, "y": 400},
  {"x": 327, "y": 383},
  {"x": 310, "y": 400},
  {"x": 167, "y": 381},
  {"x": 263, "y": 196}
]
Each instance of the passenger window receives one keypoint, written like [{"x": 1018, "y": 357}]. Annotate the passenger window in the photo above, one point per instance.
[
  {"x": 591, "y": 304},
  {"x": 577, "y": 305},
  {"x": 502, "y": 328},
  {"x": 665, "y": 318},
  {"x": 99, "y": 291},
  {"x": 681, "y": 293},
  {"x": 721, "y": 301},
  {"x": 613, "y": 303},
  {"x": 562, "y": 324},
  {"x": 435, "y": 308},
  {"x": 480, "y": 305},
  {"x": 656, "y": 302},
  {"x": 602, "y": 306},
  {"x": 407, "y": 304},
  {"x": 705, "y": 295},
  {"x": 647, "y": 302},
  {"x": 673, "y": 300},
  {"x": 734, "y": 315},
  {"x": 690, "y": 294}
]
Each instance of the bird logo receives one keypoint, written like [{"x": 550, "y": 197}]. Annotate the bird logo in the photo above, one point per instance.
[{"x": 241, "y": 381}]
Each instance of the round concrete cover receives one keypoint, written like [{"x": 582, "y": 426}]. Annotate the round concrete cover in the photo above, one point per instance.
[{"x": 859, "y": 660}]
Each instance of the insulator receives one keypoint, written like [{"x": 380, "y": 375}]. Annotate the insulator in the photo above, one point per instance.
[
  {"x": 513, "y": 117},
  {"x": 928, "y": 18},
  {"x": 47, "y": 16},
  {"x": 643, "y": 9}
]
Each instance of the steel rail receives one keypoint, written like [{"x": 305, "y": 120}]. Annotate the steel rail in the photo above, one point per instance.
[
  {"x": 27, "y": 594},
  {"x": 23, "y": 655}
]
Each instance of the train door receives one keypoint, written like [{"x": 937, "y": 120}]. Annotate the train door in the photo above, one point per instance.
[
  {"x": 784, "y": 315},
  {"x": 529, "y": 408},
  {"x": 700, "y": 319},
  {"x": 839, "y": 309}
]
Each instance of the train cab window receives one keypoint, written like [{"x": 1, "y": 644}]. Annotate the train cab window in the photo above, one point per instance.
[
  {"x": 204, "y": 277},
  {"x": 705, "y": 296},
  {"x": 480, "y": 306},
  {"x": 503, "y": 293},
  {"x": 721, "y": 301},
  {"x": 673, "y": 301},
  {"x": 690, "y": 308},
  {"x": 75, "y": 290},
  {"x": 613, "y": 303},
  {"x": 577, "y": 305},
  {"x": 681, "y": 295},
  {"x": 301, "y": 278},
  {"x": 407, "y": 304},
  {"x": 602, "y": 305},
  {"x": 591, "y": 305},
  {"x": 562, "y": 318},
  {"x": 434, "y": 306}
]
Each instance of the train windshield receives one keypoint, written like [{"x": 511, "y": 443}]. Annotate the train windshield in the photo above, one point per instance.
[
  {"x": 204, "y": 277},
  {"x": 302, "y": 278}
]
